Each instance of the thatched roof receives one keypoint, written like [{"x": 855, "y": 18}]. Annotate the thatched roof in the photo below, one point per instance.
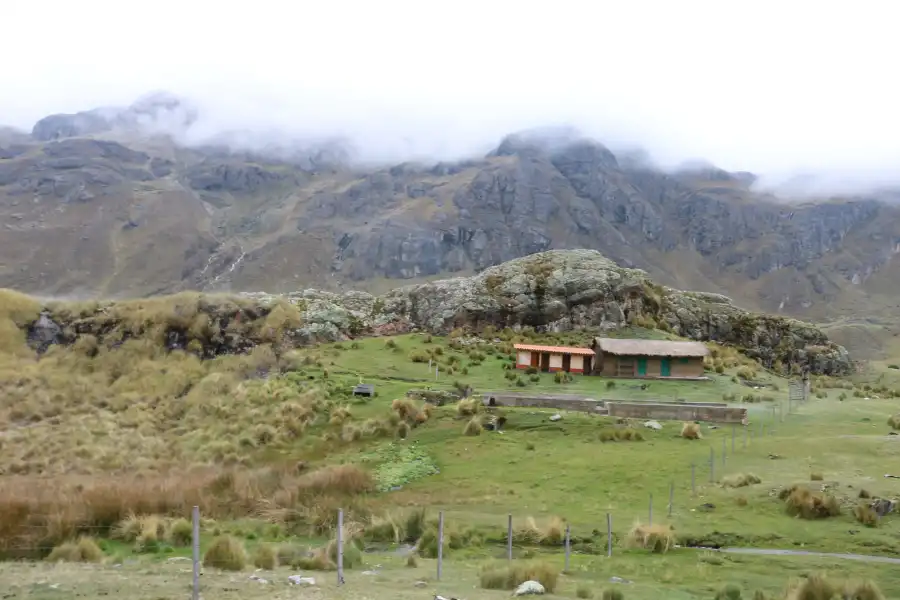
[{"x": 650, "y": 347}]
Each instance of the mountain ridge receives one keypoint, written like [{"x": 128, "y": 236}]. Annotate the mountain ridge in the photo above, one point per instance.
[{"x": 134, "y": 213}]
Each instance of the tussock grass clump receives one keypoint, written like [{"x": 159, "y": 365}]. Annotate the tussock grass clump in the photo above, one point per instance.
[
  {"x": 584, "y": 592},
  {"x": 180, "y": 532},
  {"x": 655, "y": 538},
  {"x": 820, "y": 587},
  {"x": 865, "y": 514},
  {"x": 729, "y": 591},
  {"x": 508, "y": 576},
  {"x": 894, "y": 421},
  {"x": 550, "y": 533},
  {"x": 469, "y": 407},
  {"x": 623, "y": 434},
  {"x": 408, "y": 411},
  {"x": 691, "y": 431},
  {"x": 737, "y": 480},
  {"x": 226, "y": 553},
  {"x": 85, "y": 550},
  {"x": 864, "y": 493},
  {"x": 411, "y": 561},
  {"x": 612, "y": 594},
  {"x": 802, "y": 502},
  {"x": 816, "y": 477},
  {"x": 265, "y": 556},
  {"x": 473, "y": 427}
]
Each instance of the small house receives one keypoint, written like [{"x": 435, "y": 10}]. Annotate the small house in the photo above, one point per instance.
[
  {"x": 653, "y": 359},
  {"x": 554, "y": 358}
]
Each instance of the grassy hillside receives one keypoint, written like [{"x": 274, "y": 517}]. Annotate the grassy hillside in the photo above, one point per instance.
[{"x": 118, "y": 442}]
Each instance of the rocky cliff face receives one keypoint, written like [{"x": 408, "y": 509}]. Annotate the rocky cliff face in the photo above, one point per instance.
[
  {"x": 554, "y": 290},
  {"x": 150, "y": 216}
]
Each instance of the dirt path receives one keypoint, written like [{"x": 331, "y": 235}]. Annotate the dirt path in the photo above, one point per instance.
[{"x": 775, "y": 552}]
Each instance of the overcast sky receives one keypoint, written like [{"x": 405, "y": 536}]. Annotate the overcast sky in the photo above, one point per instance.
[{"x": 763, "y": 86}]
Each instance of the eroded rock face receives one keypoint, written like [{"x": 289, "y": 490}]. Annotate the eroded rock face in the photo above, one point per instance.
[{"x": 558, "y": 290}]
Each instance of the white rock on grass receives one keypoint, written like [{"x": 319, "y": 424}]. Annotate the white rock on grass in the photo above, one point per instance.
[
  {"x": 529, "y": 588},
  {"x": 653, "y": 425}
]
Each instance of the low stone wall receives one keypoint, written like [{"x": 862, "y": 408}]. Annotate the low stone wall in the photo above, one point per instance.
[
  {"x": 558, "y": 401},
  {"x": 713, "y": 412},
  {"x": 679, "y": 402},
  {"x": 678, "y": 412}
]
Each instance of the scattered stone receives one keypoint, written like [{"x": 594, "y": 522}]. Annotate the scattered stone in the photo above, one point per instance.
[
  {"x": 299, "y": 580},
  {"x": 775, "y": 457},
  {"x": 555, "y": 417},
  {"x": 713, "y": 426},
  {"x": 259, "y": 579},
  {"x": 370, "y": 573},
  {"x": 529, "y": 588},
  {"x": 179, "y": 559},
  {"x": 653, "y": 425},
  {"x": 706, "y": 507},
  {"x": 421, "y": 584},
  {"x": 618, "y": 580}
]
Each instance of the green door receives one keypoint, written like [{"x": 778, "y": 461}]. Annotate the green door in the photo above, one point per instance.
[
  {"x": 642, "y": 367},
  {"x": 665, "y": 367}
]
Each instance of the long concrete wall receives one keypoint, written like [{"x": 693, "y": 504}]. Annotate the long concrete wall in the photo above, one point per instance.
[
  {"x": 713, "y": 412},
  {"x": 678, "y": 412},
  {"x": 561, "y": 401}
]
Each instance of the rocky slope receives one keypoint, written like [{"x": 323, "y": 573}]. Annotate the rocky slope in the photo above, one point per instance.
[
  {"x": 98, "y": 204},
  {"x": 554, "y": 290}
]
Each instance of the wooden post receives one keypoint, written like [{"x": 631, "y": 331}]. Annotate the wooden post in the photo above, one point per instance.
[
  {"x": 195, "y": 543},
  {"x": 340, "y": 547},
  {"x": 509, "y": 535},
  {"x": 608, "y": 534},
  {"x": 440, "y": 556},
  {"x": 671, "y": 497},
  {"x": 568, "y": 546}
]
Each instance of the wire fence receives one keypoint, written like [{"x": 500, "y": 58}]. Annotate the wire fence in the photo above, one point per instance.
[{"x": 708, "y": 468}]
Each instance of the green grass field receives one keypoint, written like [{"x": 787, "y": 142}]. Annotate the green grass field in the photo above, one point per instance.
[{"x": 541, "y": 471}]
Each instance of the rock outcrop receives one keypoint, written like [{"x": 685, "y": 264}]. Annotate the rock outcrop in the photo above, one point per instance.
[{"x": 550, "y": 291}]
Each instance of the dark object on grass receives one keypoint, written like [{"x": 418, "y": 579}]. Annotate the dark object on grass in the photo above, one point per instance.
[{"x": 364, "y": 389}]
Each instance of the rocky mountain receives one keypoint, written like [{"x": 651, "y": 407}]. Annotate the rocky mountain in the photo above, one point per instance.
[
  {"x": 109, "y": 203},
  {"x": 557, "y": 290}
]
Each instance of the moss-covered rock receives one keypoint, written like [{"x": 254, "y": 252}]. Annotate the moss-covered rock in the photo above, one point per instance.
[{"x": 557, "y": 290}]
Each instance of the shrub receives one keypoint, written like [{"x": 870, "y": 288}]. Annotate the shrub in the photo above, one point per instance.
[
  {"x": 551, "y": 534},
  {"x": 469, "y": 407},
  {"x": 473, "y": 427},
  {"x": 265, "y": 557},
  {"x": 584, "y": 592},
  {"x": 819, "y": 587},
  {"x": 806, "y": 504},
  {"x": 612, "y": 594},
  {"x": 816, "y": 477},
  {"x": 180, "y": 533},
  {"x": 746, "y": 373},
  {"x": 729, "y": 592},
  {"x": 740, "y": 480},
  {"x": 865, "y": 515},
  {"x": 627, "y": 434},
  {"x": 864, "y": 493},
  {"x": 894, "y": 421},
  {"x": 411, "y": 561},
  {"x": 740, "y": 501},
  {"x": 419, "y": 356},
  {"x": 610, "y": 385},
  {"x": 656, "y": 538},
  {"x": 691, "y": 431},
  {"x": 511, "y": 575},
  {"x": 520, "y": 382},
  {"x": 427, "y": 544},
  {"x": 562, "y": 377},
  {"x": 226, "y": 553},
  {"x": 85, "y": 550}
]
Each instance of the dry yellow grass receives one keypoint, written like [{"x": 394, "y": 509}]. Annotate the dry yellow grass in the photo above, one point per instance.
[
  {"x": 821, "y": 587},
  {"x": 691, "y": 431},
  {"x": 226, "y": 553},
  {"x": 83, "y": 550},
  {"x": 657, "y": 538},
  {"x": 550, "y": 533},
  {"x": 737, "y": 480},
  {"x": 38, "y": 513},
  {"x": 802, "y": 502}
]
